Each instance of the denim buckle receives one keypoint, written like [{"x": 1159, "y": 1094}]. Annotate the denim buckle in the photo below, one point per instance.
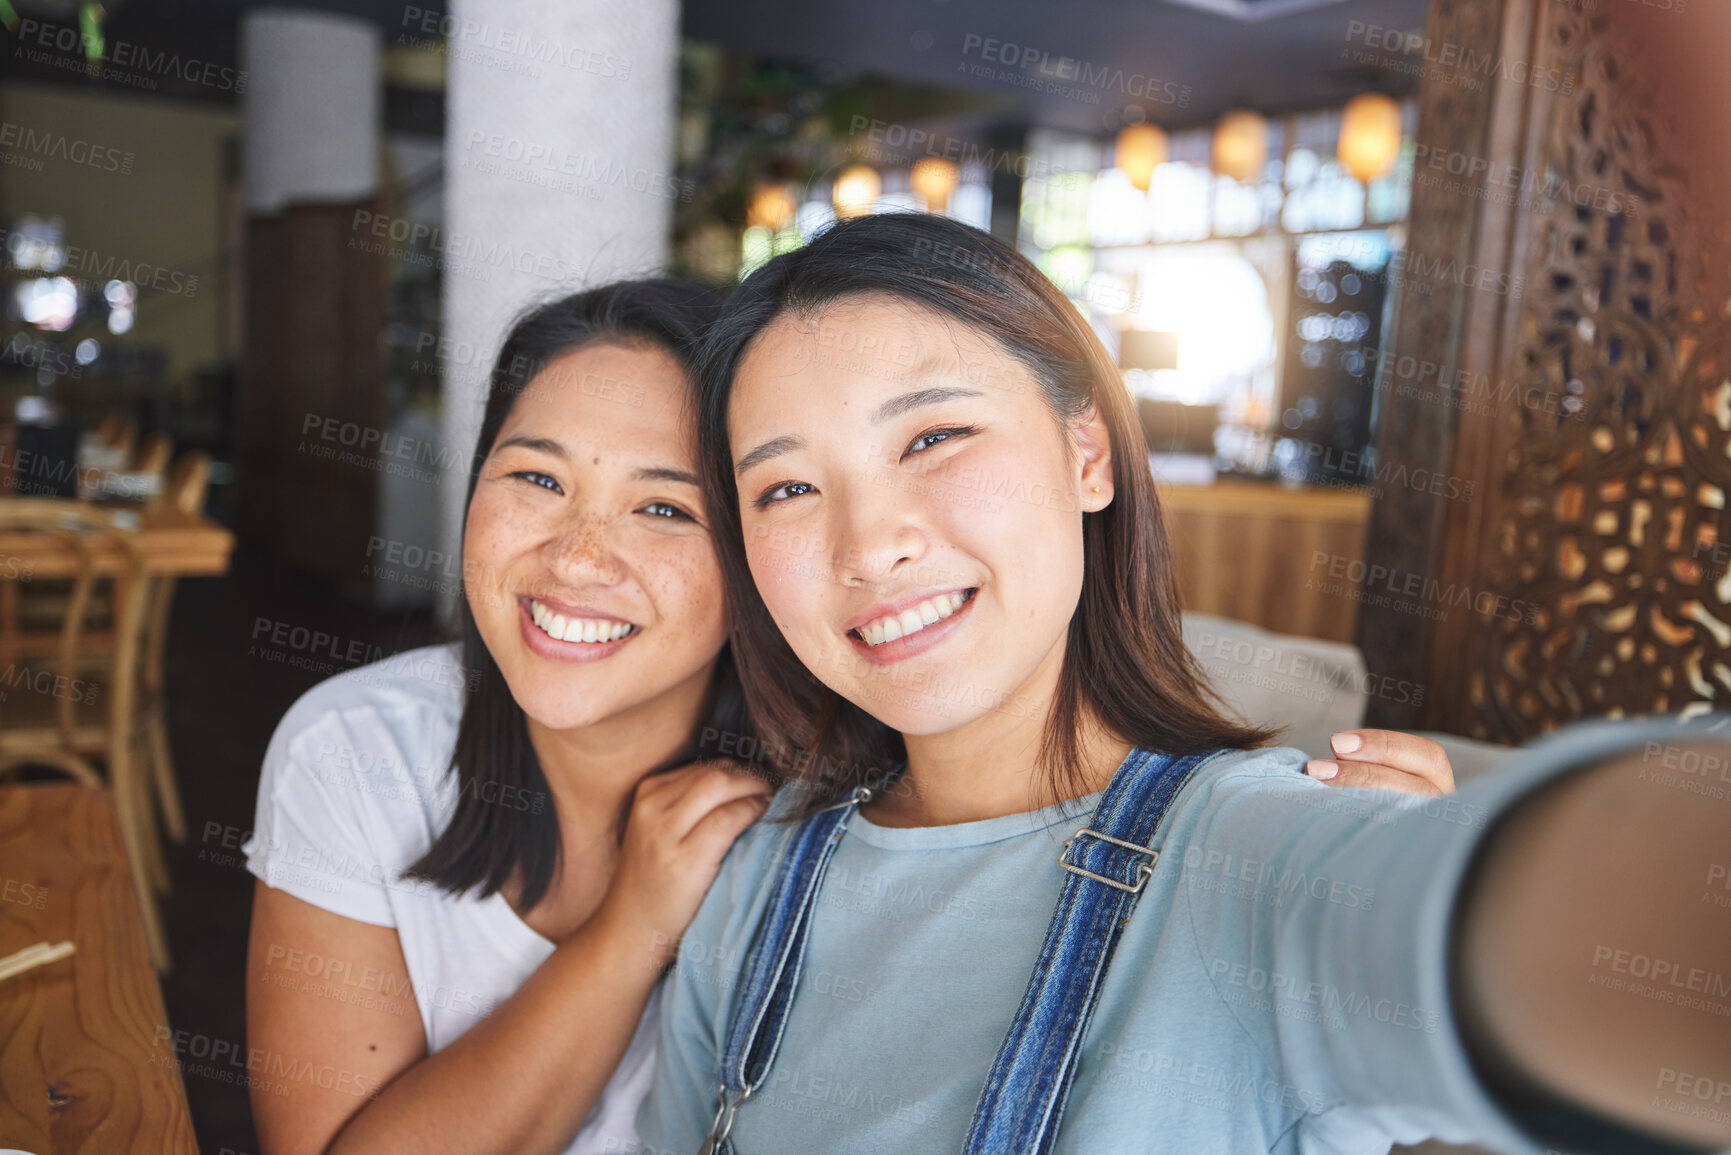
[
  {"x": 723, "y": 1124},
  {"x": 1145, "y": 870},
  {"x": 860, "y": 796}
]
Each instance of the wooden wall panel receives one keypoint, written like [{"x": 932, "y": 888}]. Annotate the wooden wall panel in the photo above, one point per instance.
[
  {"x": 1601, "y": 473},
  {"x": 314, "y": 315},
  {"x": 1607, "y": 512}
]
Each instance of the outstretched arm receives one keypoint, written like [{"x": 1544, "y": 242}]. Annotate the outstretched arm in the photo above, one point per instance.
[
  {"x": 1468, "y": 967},
  {"x": 1593, "y": 945}
]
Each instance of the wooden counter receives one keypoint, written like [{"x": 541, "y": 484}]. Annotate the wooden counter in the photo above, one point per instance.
[{"x": 1250, "y": 551}]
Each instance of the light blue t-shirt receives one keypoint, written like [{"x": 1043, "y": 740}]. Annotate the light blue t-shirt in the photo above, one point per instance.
[{"x": 1281, "y": 985}]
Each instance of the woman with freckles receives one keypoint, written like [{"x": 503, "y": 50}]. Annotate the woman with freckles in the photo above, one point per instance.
[
  {"x": 1173, "y": 941},
  {"x": 476, "y": 860}
]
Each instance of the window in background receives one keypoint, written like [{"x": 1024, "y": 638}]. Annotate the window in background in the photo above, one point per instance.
[
  {"x": 1242, "y": 208},
  {"x": 1178, "y": 201},
  {"x": 971, "y": 203},
  {"x": 1327, "y": 388},
  {"x": 1058, "y": 194},
  {"x": 1216, "y": 261},
  {"x": 812, "y": 217},
  {"x": 1391, "y": 196},
  {"x": 1215, "y": 298}
]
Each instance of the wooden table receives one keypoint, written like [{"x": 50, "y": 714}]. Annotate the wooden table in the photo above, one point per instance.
[
  {"x": 174, "y": 544},
  {"x": 1249, "y": 551},
  {"x": 87, "y": 1063}
]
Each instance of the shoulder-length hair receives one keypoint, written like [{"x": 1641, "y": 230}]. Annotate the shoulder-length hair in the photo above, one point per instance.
[
  {"x": 487, "y": 842},
  {"x": 1125, "y": 662}
]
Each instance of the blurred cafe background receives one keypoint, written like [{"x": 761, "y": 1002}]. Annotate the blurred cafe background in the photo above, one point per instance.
[{"x": 1423, "y": 303}]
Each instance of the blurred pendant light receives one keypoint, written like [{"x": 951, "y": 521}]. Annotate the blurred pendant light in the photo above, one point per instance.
[
  {"x": 1370, "y": 136},
  {"x": 1241, "y": 145},
  {"x": 934, "y": 178},
  {"x": 856, "y": 191},
  {"x": 771, "y": 207},
  {"x": 1141, "y": 150}
]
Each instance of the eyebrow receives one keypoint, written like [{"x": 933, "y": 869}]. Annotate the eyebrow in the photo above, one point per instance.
[
  {"x": 894, "y": 407},
  {"x": 641, "y": 473},
  {"x": 774, "y": 447},
  {"x": 662, "y": 473},
  {"x": 544, "y": 444}
]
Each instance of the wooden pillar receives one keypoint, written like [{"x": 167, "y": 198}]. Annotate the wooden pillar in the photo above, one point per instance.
[
  {"x": 311, "y": 407},
  {"x": 312, "y": 403},
  {"x": 1441, "y": 322}
]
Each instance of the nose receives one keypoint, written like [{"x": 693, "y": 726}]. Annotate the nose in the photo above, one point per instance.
[
  {"x": 876, "y": 537},
  {"x": 583, "y": 552}
]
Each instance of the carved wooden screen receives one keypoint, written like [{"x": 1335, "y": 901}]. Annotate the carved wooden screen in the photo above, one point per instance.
[{"x": 1606, "y": 529}]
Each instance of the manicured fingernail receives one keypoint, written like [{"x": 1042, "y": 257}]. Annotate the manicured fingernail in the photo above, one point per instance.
[
  {"x": 1317, "y": 768},
  {"x": 1345, "y": 743}
]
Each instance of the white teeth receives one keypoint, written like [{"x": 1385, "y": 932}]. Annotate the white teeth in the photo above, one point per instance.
[
  {"x": 556, "y": 625},
  {"x": 911, "y": 621}
]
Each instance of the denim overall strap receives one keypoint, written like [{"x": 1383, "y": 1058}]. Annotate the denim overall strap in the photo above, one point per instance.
[
  {"x": 1109, "y": 862},
  {"x": 772, "y": 969}
]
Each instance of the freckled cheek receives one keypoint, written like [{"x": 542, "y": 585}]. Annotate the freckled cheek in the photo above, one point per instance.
[
  {"x": 686, "y": 580},
  {"x": 483, "y": 550},
  {"x": 491, "y": 544}
]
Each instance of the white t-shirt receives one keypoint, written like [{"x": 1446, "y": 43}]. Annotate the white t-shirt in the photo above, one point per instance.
[{"x": 355, "y": 787}]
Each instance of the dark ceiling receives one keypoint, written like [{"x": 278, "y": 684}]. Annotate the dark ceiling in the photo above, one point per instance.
[
  {"x": 1180, "y": 65},
  {"x": 1077, "y": 64}
]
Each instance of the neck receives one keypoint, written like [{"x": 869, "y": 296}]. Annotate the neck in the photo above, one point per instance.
[
  {"x": 591, "y": 770},
  {"x": 990, "y": 767}
]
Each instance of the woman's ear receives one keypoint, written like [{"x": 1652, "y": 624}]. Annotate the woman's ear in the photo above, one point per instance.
[{"x": 1094, "y": 444}]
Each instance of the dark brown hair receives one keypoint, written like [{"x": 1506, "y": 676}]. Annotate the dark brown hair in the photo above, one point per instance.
[
  {"x": 1125, "y": 662},
  {"x": 489, "y": 839}
]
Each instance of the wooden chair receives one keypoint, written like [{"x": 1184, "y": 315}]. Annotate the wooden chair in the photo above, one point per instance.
[
  {"x": 56, "y": 712},
  {"x": 125, "y": 437},
  {"x": 48, "y": 602},
  {"x": 184, "y": 492}
]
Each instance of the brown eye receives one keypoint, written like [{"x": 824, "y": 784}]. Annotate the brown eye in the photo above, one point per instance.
[
  {"x": 932, "y": 437},
  {"x": 784, "y": 491}
]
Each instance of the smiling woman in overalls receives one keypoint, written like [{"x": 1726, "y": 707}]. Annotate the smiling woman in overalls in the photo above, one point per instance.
[{"x": 1036, "y": 893}]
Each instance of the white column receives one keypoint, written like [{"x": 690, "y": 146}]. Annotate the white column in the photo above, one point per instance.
[
  {"x": 312, "y": 108},
  {"x": 558, "y": 173}
]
